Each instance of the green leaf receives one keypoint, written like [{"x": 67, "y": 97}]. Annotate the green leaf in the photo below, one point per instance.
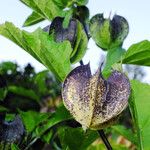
[
  {"x": 60, "y": 115},
  {"x": 47, "y": 137},
  {"x": 3, "y": 109},
  {"x": 50, "y": 52},
  {"x": 138, "y": 54},
  {"x": 80, "y": 44},
  {"x": 14, "y": 147},
  {"x": 7, "y": 66},
  {"x": 9, "y": 117},
  {"x": 32, "y": 119},
  {"x": 70, "y": 3},
  {"x": 113, "y": 56},
  {"x": 46, "y": 8},
  {"x": 40, "y": 81},
  {"x": 127, "y": 133},
  {"x": 3, "y": 87},
  {"x": 49, "y": 8},
  {"x": 76, "y": 138},
  {"x": 32, "y": 4},
  {"x": 3, "y": 93},
  {"x": 82, "y": 2},
  {"x": 42, "y": 47},
  {"x": 139, "y": 105},
  {"x": 67, "y": 18},
  {"x": 23, "y": 92},
  {"x": 34, "y": 18}
]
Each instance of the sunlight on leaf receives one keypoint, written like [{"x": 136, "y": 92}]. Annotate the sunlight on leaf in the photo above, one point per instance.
[{"x": 140, "y": 104}]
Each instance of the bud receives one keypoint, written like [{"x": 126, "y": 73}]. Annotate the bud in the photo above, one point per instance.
[
  {"x": 62, "y": 33},
  {"x": 93, "y": 101},
  {"x": 11, "y": 131},
  {"x": 108, "y": 33}
]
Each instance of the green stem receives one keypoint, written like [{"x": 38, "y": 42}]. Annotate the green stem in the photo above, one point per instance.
[{"x": 31, "y": 143}]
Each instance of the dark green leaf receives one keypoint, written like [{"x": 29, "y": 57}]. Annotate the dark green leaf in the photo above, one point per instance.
[
  {"x": 3, "y": 93},
  {"x": 3, "y": 109},
  {"x": 140, "y": 104},
  {"x": 14, "y": 147},
  {"x": 3, "y": 87},
  {"x": 40, "y": 81},
  {"x": 60, "y": 115},
  {"x": 9, "y": 117},
  {"x": 138, "y": 54},
  {"x": 34, "y": 18},
  {"x": 47, "y": 136},
  {"x": 76, "y": 138},
  {"x": 23, "y": 92},
  {"x": 32, "y": 119},
  {"x": 7, "y": 66}
]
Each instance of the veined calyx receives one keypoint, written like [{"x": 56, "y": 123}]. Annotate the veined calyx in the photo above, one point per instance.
[{"x": 93, "y": 101}]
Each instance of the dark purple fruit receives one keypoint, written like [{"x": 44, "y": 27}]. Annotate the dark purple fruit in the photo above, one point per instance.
[{"x": 93, "y": 101}]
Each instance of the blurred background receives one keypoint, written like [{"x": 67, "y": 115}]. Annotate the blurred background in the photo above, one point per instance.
[{"x": 136, "y": 12}]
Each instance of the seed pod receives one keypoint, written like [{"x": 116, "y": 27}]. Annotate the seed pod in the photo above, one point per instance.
[
  {"x": 61, "y": 33},
  {"x": 93, "y": 101},
  {"x": 108, "y": 33},
  {"x": 11, "y": 131},
  {"x": 82, "y": 13},
  {"x": 74, "y": 33}
]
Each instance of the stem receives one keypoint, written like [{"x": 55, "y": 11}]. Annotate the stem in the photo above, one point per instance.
[
  {"x": 30, "y": 144},
  {"x": 104, "y": 139},
  {"x": 81, "y": 62},
  {"x": 85, "y": 29}
]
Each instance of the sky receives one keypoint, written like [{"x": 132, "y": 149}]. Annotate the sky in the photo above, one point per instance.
[{"x": 135, "y": 11}]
